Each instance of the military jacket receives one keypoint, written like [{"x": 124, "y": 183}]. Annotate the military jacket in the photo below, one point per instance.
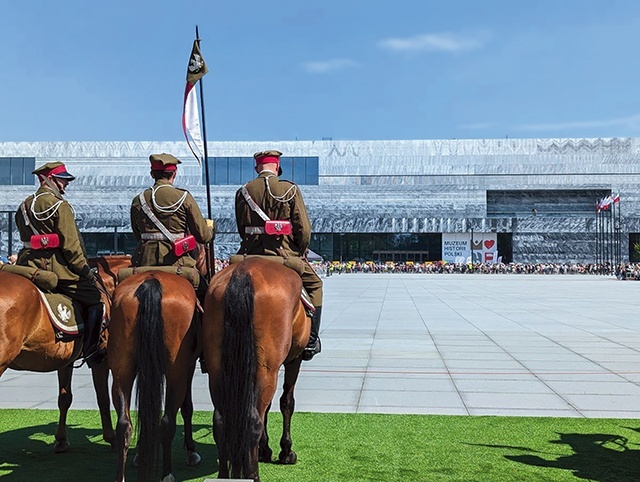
[
  {"x": 280, "y": 200},
  {"x": 178, "y": 211},
  {"x": 53, "y": 214}
]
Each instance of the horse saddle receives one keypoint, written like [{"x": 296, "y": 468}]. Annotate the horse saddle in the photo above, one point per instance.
[
  {"x": 45, "y": 280},
  {"x": 190, "y": 274},
  {"x": 296, "y": 264},
  {"x": 65, "y": 315}
]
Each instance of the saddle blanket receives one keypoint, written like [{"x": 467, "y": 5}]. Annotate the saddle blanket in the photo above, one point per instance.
[{"x": 64, "y": 315}]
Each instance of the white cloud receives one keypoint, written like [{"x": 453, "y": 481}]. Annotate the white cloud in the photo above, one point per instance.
[
  {"x": 436, "y": 42},
  {"x": 325, "y": 66}
]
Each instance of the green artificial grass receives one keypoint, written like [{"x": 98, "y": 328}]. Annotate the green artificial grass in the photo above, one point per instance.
[{"x": 352, "y": 447}]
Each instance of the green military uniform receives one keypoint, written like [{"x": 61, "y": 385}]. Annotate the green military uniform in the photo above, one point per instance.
[
  {"x": 176, "y": 210},
  {"x": 49, "y": 213},
  {"x": 46, "y": 212},
  {"x": 280, "y": 200}
]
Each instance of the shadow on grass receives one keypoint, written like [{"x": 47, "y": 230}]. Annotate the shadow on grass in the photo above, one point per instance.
[
  {"x": 595, "y": 457},
  {"x": 26, "y": 454}
]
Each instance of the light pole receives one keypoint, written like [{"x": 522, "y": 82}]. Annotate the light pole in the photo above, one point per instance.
[
  {"x": 471, "y": 250},
  {"x": 617, "y": 245}
]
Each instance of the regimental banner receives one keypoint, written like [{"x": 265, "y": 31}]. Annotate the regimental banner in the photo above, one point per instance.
[{"x": 458, "y": 248}]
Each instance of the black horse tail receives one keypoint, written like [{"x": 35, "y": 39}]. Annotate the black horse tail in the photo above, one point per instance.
[
  {"x": 151, "y": 365},
  {"x": 240, "y": 416}
]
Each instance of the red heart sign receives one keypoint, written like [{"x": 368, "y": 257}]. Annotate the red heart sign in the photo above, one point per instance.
[{"x": 489, "y": 243}]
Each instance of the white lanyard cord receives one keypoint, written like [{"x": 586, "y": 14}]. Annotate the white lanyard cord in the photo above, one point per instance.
[
  {"x": 171, "y": 208},
  {"x": 47, "y": 213},
  {"x": 286, "y": 197}
]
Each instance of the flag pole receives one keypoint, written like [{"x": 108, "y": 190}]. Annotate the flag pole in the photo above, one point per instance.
[{"x": 210, "y": 247}]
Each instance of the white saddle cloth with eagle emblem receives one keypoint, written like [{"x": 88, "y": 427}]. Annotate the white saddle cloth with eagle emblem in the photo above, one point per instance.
[{"x": 64, "y": 314}]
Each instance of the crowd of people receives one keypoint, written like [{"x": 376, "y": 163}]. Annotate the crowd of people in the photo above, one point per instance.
[
  {"x": 627, "y": 271},
  {"x": 623, "y": 271}
]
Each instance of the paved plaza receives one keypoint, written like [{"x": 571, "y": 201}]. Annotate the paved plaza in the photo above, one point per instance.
[{"x": 543, "y": 345}]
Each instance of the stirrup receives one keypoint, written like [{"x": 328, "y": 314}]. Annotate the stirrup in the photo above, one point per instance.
[
  {"x": 94, "y": 358},
  {"x": 312, "y": 349}
]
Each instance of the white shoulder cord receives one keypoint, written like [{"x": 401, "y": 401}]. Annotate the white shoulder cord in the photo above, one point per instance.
[
  {"x": 170, "y": 209},
  {"x": 47, "y": 213},
  {"x": 27, "y": 221},
  {"x": 147, "y": 210},
  {"x": 253, "y": 205},
  {"x": 286, "y": 197}
]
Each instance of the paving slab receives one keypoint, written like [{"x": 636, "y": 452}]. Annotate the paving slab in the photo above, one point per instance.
[{"x": 463, "y": 344}]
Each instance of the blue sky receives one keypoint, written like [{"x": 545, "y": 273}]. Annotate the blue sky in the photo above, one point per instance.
[{"x": 79, "y": 70}]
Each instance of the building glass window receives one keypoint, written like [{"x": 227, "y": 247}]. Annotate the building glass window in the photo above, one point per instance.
[
  {"x": 235, "y": 170},
  {"x": 16, "y": 171},
  {"x": 239, "y": 170},
  {"x": 247, "y": 169},
  {"x": 312, "y": 171},
  {"x": 286, "y": 163},
  {"x": 220, "y": 171},
  {"x": 299, "y": 170},
  {"x": 379, "y": 247}
]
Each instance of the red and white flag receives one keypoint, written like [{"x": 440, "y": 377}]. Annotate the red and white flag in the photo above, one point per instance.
[{"x": 191, "y": 114}]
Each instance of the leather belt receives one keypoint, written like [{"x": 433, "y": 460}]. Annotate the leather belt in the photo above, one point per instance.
[
  {"x": 254, "y": 230},
  {"x": 157, "y": 236}
]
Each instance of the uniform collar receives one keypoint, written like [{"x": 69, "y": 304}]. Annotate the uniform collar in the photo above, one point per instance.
[
  {"x": 162, "y": 182},
  {"x": 266, "y": 173},
  {"x": 49, "y": 190}
]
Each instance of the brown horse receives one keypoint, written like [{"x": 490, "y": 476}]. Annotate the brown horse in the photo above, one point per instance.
[
  {"x": 27, "y": 342},
  {"x": 153, "y": 337},
  {"x": 254, "y": 322}
]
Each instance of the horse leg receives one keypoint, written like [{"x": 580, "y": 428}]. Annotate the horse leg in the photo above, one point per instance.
[
  {"x": 287, "y": 405},
  {"x": 100, "y": 375},
  {"x": 121, "y": 394},
  {"x": 178, "y": 395},
  {"x": 218, "y": 436},
  {"x": 168, "y": 431},
  {"x": 193, "y": 457},
  {"x": 265, "y": 453},
  {"x": 65, "y": 397},
  {"x": 250, "y": 468},
  {"x": 64, "y": 402}
]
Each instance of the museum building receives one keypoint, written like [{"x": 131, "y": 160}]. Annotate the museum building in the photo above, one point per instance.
[{"x": 521, "y": 200}]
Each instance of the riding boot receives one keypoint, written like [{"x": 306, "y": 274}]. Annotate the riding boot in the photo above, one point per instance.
[
  {"x": 92, "y": 353},
  {"x": 314, "y": 346}
]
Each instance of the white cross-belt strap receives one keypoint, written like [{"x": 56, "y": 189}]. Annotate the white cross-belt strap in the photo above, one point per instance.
[
  {"x": 252, "y": 204},
  {"x": 27, "y": 221},
  {"x": 147, "y": 210}
]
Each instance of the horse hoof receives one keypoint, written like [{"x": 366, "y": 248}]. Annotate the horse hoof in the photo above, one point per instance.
[
  {"x": 111, "y": 441},
  {"x": 193, "y": 458},
  {"x": 289, "y": 459},
  {"x": 265, "y": 455},
  {"x": 136, "y": 461},
  {"x": 61, "y": 447}
]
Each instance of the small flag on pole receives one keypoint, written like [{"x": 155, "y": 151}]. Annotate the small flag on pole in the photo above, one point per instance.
[{"x": 190, "y": 114}]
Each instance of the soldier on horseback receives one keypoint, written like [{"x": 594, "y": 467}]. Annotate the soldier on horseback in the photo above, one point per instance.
[
  {"x": 168, "y": 224},
  {"x": 272, "y": 220},
  {"x": 166, "y": 221},
  {"x": 52, "y": 242}
]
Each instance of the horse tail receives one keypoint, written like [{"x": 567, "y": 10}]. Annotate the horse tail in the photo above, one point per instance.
[
  {"x": 239, "y": 373},
  {"x": 150, "y": 368}
]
